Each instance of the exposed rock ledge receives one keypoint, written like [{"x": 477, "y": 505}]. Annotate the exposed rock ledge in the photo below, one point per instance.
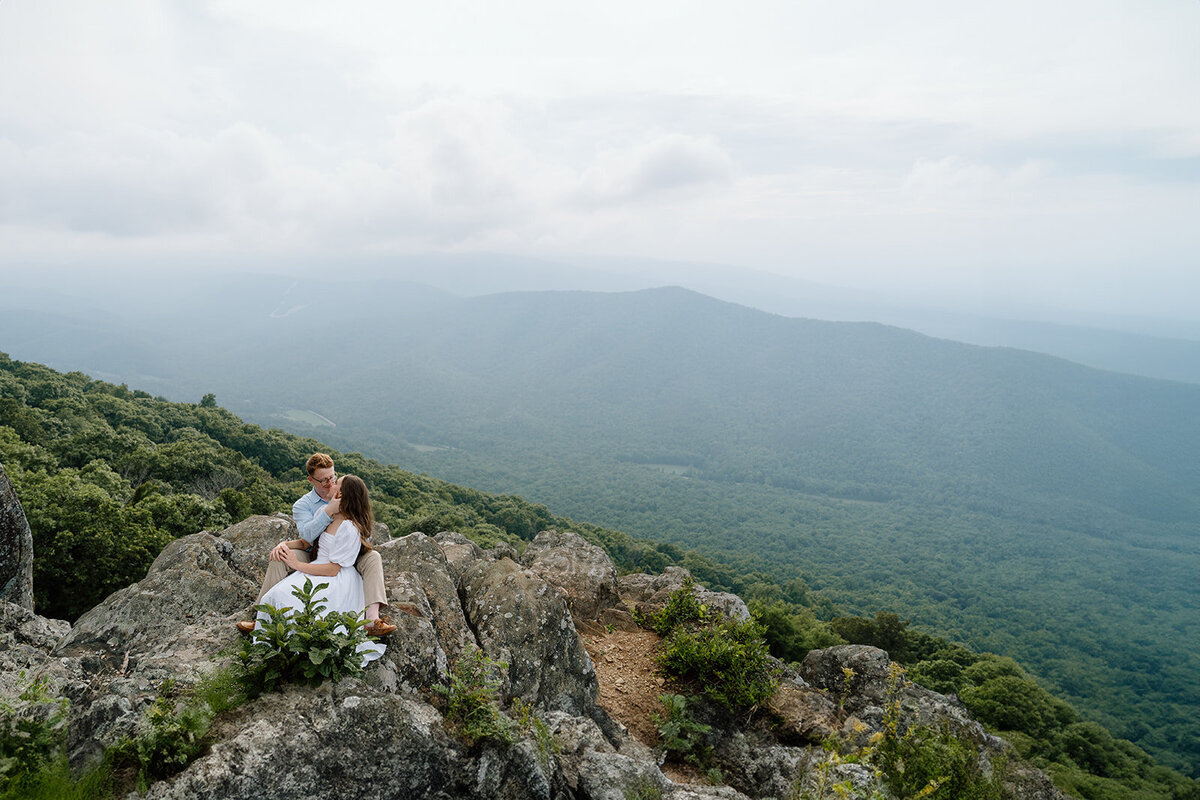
[{"x": 380, "y": 737}]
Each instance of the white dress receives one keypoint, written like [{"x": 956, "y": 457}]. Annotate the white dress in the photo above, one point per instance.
[{"x": 344, "y": 592}]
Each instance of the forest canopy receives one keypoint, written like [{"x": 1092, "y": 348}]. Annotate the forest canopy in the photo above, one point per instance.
[{"x": 108, "y": 475}]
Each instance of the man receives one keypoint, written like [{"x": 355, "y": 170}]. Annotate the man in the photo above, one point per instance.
[{"x": 313, "y": 512}]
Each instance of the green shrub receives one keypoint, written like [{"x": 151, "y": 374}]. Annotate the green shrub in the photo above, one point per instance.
[
  {"x": 33, "y": 733},
  {"x": 53, "y": 781},
  {"x": 643, "y": 789},
  {"x": 928, "y": 762},
  {"x": 933, "y": 763},
  {"x": 682, "y": 608},
  {"x": 679, "y": 734},
  {"x": 303, "y": 648},
  {"x": 171, "y": 738},
  {"x": 727, "y": 663},
  {"x": 791, "y": 631},
  {"x": 527, "y": 719},
  {"x": 1014, "y": 703},
  {"x": 472, "y": 705}
]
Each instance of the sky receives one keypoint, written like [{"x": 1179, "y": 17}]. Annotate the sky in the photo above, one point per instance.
[{"x": 1024, "y": 151}]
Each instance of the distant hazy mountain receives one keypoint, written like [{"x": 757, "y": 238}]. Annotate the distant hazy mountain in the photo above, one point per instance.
[
  {"x": 853, "y": 409},
  {"x": 1150, "y": 347}
]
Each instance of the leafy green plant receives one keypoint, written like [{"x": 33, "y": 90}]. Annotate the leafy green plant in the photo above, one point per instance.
[
  {"x": 528, "y": 720},
  {"x": 33, "y": 732},
  {"x": 171, "y": 738},
  {"x": 927, "y": 762},
  {"x": 682, "y": 608},
  {"x": 472, "y": 704},
  {"x": 727, "y": 663},
  {"x": 53, "y": 781},
  {"x": 302, "y": 647},
  {"x": 679, "y": 734},
  {"x": 643, "y": 789}
]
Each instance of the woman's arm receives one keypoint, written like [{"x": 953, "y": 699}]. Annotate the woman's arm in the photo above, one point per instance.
[{"x": 320, "y": 570}]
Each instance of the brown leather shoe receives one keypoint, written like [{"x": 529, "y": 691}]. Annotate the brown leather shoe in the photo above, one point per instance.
[
  {"x": 246, "y": 626},
  {"x": 380, "y": 627}
]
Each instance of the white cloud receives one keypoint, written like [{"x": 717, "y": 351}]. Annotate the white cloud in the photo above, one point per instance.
[
  {"x": 668, "y": 166},
  {"x": 849, "y": 141}
]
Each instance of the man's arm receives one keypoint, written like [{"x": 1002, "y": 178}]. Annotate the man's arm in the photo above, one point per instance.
[{"x": 310, "y": 518}]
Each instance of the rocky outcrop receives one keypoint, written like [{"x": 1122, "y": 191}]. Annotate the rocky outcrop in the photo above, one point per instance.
[
  {"x": 26, "y": 641},
  {"x": 435, "y": 633},
  {"x": 347, "y": 740},
  {"x": 649, "y": 593},
  {"x": 16, "y": 548},
  {"x": 383, "y": 736},
  {"x": 524, "y": 623},
  {"x": 863, "y": 680},
  {"x": 582, "y": 572}
]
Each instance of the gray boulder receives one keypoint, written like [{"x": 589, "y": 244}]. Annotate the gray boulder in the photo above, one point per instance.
[
  {"x": 346, "y": 740},
  {"x": 425, "y": 606},
  {"x": 16, "y": 548},
  {"x": 649, "y": 593},
  {"x": 179, "y": 615},
  {"x": 168, "y": 626},
  {"x": 522, "y": 621},
  {"x": 864, "y": 679},
  {"x": 759, "y": 766},
  {"x": 581, "y": 571},
  {"x": 802, "y": 715},
  {"x": 380, "y": 534},
  {"x": 460, "y": 552},
  {"x": 26, "y": 642},
  {"x": 856, "y": 674},
  {"x": 253, "y": 539}
]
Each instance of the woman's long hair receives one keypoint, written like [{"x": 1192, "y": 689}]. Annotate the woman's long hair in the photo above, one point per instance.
[{"x": 356, "y": 506}]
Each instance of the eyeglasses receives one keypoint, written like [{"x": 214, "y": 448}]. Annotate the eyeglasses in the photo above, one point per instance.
[{"x": 325, "y": 481}]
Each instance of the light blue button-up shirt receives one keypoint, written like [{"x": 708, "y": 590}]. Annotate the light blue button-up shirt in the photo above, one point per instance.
[{"x": 310, "y": 516}]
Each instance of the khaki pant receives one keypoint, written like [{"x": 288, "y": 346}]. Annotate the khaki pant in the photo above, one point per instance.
[{"x": 369, "y": 565}]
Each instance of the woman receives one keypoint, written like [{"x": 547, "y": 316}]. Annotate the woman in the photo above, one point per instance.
[{"x": 334, "y": 564}]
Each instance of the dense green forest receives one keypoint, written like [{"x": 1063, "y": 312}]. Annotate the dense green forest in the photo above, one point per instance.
[{"x": 107, "y": 475}]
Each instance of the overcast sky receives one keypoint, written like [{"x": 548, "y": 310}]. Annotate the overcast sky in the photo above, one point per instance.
[{"x": 1028, "y": 150}]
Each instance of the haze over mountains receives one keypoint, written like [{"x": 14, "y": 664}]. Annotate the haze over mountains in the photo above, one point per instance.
[
  {"x": 1013, "y": 500},
  {"x": 1156, "y": 347}
]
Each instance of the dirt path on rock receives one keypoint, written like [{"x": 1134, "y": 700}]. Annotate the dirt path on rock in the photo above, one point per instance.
[{"x": 629, "y": 684}]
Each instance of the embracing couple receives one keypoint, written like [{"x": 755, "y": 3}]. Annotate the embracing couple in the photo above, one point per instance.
[{"x": 335, "y": 520}]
